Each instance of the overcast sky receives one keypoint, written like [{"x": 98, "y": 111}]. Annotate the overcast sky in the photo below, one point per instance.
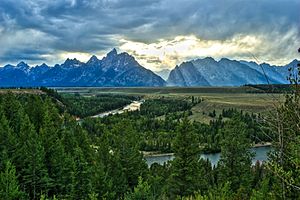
[{"x": 159, "y": 33}]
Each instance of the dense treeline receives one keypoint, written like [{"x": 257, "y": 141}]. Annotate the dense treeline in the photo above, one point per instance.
[
  {"x": 272, "y": 88},
  {"x": 163, "y": 106},
  {"x": 257, "y": 131}
]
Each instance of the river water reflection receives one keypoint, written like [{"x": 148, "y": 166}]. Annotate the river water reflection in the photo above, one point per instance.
[
  {"x": 133, "y": 106},
  {"x": 261, "y": 154}
]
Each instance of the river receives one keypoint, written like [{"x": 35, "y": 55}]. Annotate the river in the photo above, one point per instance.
[
  {"x": 260, "y": 155},
  {"x": 133, "y": 106}
]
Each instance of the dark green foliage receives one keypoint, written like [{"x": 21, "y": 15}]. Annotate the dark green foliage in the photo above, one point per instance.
[
  {"x": 5, "y": 140},
  {"x": 211, "y": 136},
  {"x": 263, "y": 191},
  {"x": 235, "y": 163},
  {"x": 158, "y": 178},
  {"x": 83, "y": 175},
  {"x": 163, "y": 106},
  {"x": 30, "y": 159},
  {"x": 141, "y": 192},
  {"x": 271, "y": 88},
  {"x": 185, "y": 170},
  {"x": 9, "y": 186},
  {"x": 221, "y": 192},
  {"x": 212, "y": 114}
]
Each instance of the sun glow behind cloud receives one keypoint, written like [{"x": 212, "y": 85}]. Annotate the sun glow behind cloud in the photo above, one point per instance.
[
  {"x": 168, "y": 53},
  {"x": 83, "y": 57}
]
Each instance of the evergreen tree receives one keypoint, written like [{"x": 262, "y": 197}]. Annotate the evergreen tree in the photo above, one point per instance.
[
  {"x": 235, "y": 162},
  {"x": 30, "y": 157},
  {"x": 263, "y": 192},
  {"x": 6, "y": 140},
  {"x": 127, "y": 152},
  {"x": 141, "y": 192},
  {"x": 9, "y": 186},
  {"x": 83, "y": 186},
  {"x": 101, "y": 182},
  {"x": 35, "y": 109},
  {"x": 158, "y": 178},
  {"x": 13, "y": 111},
  {"x": 222, "y": 192},
  {"x": 185, "y": 169},
  {"x": 49, "y": 139}
]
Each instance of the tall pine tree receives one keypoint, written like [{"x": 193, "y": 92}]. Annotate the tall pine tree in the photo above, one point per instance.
[
  {"x": 31, "y": 157},
  {"x": 236, "y": 157},
  {"x": 185, "y": 168},
  {"x": 9, "y": 186}
]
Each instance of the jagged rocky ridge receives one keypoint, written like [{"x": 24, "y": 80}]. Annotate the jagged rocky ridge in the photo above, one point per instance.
[
  {"x": 209, "y": 72},
  {"x": 116, "y": 70},
  {"x": 122, "y": 70}
]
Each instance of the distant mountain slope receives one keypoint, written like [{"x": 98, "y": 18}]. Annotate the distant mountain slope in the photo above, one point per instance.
[
  {"x": 207, "y": 71},
  {"x": 164, "y": 73},
  {"x": 269, "y": 71},
  {"x": 14, "y": 75},
  {"x": 186, "y": 75},
  {"x": 113, "y": 70}
]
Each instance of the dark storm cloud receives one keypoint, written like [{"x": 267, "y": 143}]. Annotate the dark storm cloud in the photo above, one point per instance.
[
  {"x": 49, "y": 27},
  {"x": 24, "y": 54},
  {"x": 221, "y": 19}
]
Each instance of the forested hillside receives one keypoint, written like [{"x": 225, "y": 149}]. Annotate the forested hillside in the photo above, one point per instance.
[{"x": 46, "y": 154}]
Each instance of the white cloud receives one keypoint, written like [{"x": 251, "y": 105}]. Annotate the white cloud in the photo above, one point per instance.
[
  {"x": 83, "y": 57},
  {"x": 166, "y": 53}
]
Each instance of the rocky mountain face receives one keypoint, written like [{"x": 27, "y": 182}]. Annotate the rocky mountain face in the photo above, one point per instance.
[
  {"x": 209, "y": 72},
  {"x": 122, "y": 70},
  {"x": 116, "y": 70},
  {"x": 186, "y": 75}
]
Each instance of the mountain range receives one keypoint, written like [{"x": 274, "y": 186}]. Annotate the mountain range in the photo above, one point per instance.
[
  {"x": 209, "y": 72},
  {"x": 114, "y": 70},
  {"x": 122, "y": 70}
]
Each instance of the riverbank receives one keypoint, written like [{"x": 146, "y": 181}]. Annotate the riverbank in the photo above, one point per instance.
[
  {"x": 265, "y": 144},
  {"x": 148, "y": 154},
  {"x": 155, "y": 154}
]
